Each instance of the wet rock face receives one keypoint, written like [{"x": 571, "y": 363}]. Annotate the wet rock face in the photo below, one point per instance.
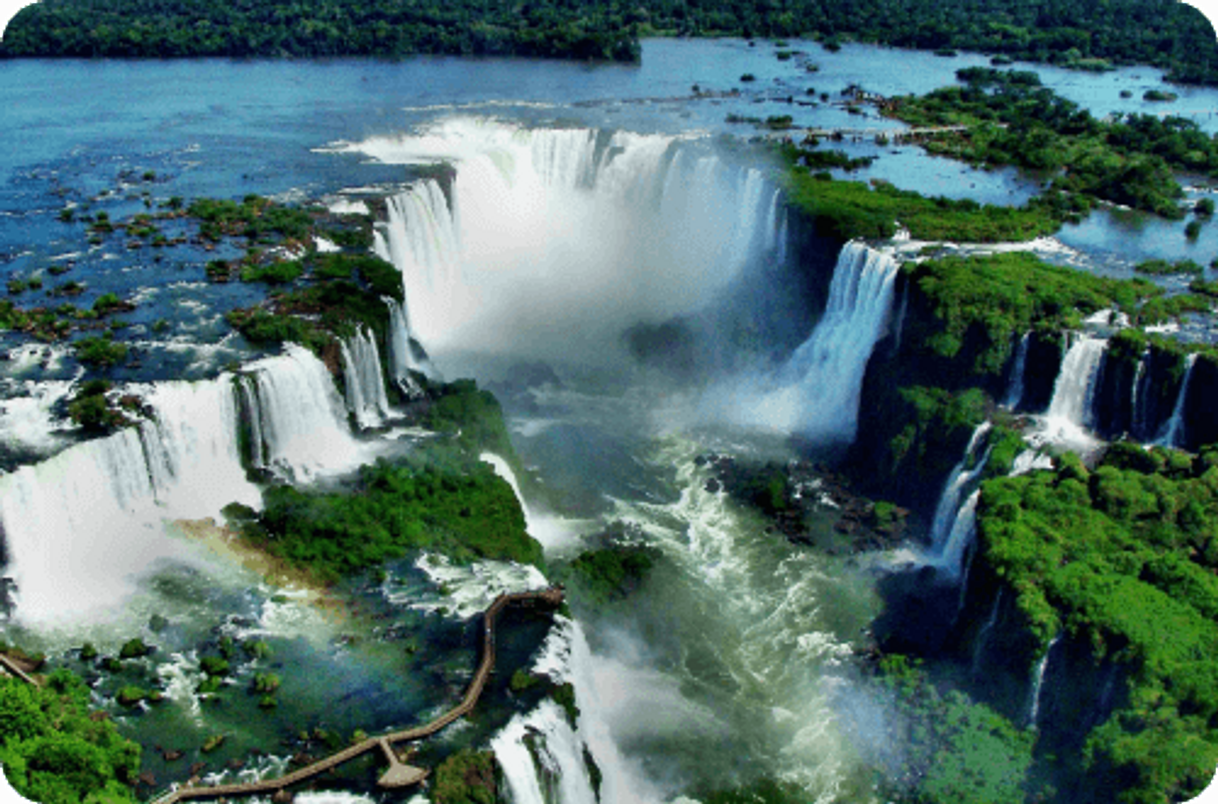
[{"x": 794, "y": 493}]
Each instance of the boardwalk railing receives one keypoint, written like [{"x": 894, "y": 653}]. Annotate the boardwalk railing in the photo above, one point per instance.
[{"x": 399, "y": 774}]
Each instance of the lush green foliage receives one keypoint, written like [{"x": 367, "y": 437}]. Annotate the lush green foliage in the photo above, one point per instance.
[
  {"x": 933, "y": 415},
  {"x": 442, "y": 499},
  {"x": 54, "y": 752},
  {"x": 100, "y": 351},
  {"x": 612, "y": 573},
  {"x": 848, "y": 209},
  {"x": 367, "y": 28},
  {"x": 1123, "y": 558},
  {"x": 255, "y": 218},
  {"x": 283, "y": 272},
  {"x": 466, "y": 777},
  {"x": 960, "y": 752},
  {"x": 1015, "y": 120},
  {"x": 472, "y": 416},
  {"x": 997, "y": 297},
  {"x": 1165, "y": 268},
  {"x": 1087, "y": 34}
]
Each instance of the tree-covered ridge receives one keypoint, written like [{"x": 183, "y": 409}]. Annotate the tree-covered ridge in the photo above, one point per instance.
[
  {"x": 1084, "y": 33},
  {"x": 55, "y": 752},
  {"x": 440, "y": 497},
  {"x": 1122, "y": 558},
  {"x": 1013, "y": 120},
  {"x": 384, "y": 28}
]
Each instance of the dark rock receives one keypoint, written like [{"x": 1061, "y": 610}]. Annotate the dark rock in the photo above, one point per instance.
[
  {"x": 172, "y": 756},
  {"x": 713, "y": 485}
]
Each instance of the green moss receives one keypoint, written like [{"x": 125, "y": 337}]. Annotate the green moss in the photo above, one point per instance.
[
  {"x": 134, "y": 649},
  {"x": 282, "y": 272},
  {"x": 564, "y": 696}
]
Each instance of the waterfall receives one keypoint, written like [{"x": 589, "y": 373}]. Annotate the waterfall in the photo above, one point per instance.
[
  {"x": 984, "y": 633},
  {"x": 553, "y": 532},
  {"x": 964, "y": 528},
  {"x": 1073, "y": 392},
  {"x": 1136, "y": 394},
  {"x": 1172, "y": 434},
  {"x": 544, "y": 759},
  {"x": 365, "y": 385},
  {"x": 1038, "y": 680},
  {"x": 91, "y": 519},
  {"x": 1015, "y": 389},
  {"x": 823, "y": 380},
  {"x": 298, "y": 417},
  {"x": 962, "y": 474},
  {"x": 549, "y": 244}
]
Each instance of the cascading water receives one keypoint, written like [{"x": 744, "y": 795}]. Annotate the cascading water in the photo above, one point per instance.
[
  {"x": 962, "y": 474},
  {"x": 298, "y": 416},
  {"x": 403, "y": 356},
  {"x": 1072, "y": 392},
  {"x": 1137, "y": 393},
  {"x": 545, "y": 759},
  {"x": 984, "y": 633},
  {"x": 955, "y": 518},
  {"x": 551, "y": 243},
  {"x": 91, "y": 519},
  {"x": 1172, "y": 434},
  {"x": 1071, "y": 407},
  {"x": 365, "y": 385},
  {"x": 1038, "y": 681},
  {"x": 1014, "y": 393},
  {"x": 821, "y": 384}
]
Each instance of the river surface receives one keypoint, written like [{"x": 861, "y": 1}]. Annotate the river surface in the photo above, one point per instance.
[{"x": 735, "y": 661}]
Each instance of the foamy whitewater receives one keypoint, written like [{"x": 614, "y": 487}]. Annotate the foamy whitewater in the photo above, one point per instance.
[{"x": 550, "y": 242}]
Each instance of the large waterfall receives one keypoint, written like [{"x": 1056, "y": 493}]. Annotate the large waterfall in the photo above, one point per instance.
[
  {"x": 1072, "y": 393},
  {"x": 90, "y": 518},
  {"x": 298, "y": 421},
  {"x": 818, "y": 389},
  {"x": 551, "y": 242}
]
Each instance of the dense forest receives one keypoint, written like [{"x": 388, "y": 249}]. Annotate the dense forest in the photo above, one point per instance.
[{"x": 1081, "y": 33}]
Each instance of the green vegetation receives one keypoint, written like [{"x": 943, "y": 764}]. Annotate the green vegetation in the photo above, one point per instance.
[
  {"x": 958, "y": 751},
  {"x": 439, "y": 501},
  {"x": 564, "y": 695},
  {"x": 134, "y": 649},
  {"x": 612, "y": 573},
  {"x": 848, "y": 209},
  {"x": 466, "y": 777},
  {"x": 1086, "y": 35},
  {"x": 100, "y": 351},
  {"x": 283, "y": 272},
  {"x": 1123, "y": 559},
  {"x": 1165, "y": 268},
  {"x": 933, "y": 416},
  {"x": 441, "y": 498},
  {"x": 130, "y": 696},
  {"x": 214, "y": 666},
  {"x": 1016, "y": 121},
  {"x": 1159, "y": 95},
  {"x": 91, "y": 409},
  {"x": 54, "y": 752},
  {"x": 988, "y": 301},
  {"x": 257, "y": 219}
]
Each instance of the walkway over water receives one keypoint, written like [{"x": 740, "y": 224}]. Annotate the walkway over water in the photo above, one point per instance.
[
  {"x": 11, "y": 667},
  {"x": 399, "y": 774}
]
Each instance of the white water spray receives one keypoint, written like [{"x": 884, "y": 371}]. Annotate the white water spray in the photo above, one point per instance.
[{"x": 1038, "y": 681}]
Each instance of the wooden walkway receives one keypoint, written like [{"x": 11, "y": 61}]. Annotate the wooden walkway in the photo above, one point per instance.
[
  {"x": 7, "y": 665},
  {"x": 824, "y": 133},
  {"x": 399, "y": 773}
]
